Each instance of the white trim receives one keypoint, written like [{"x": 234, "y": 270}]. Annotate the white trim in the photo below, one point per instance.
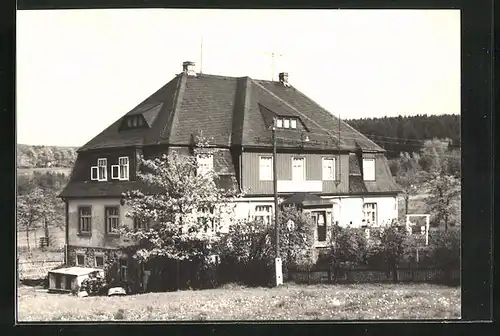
[
  {"x": 266, "y": 178},
  {"x": 105, "y": 165},
  {"x": 303, "y": 166},
  {"x": 334, "y": 162},
  {"x": 127, "y": 165},
  {"x": 92, "y": 169},
  {"x": 367, "y": 177},
  {"x": 113, "y": 176}
]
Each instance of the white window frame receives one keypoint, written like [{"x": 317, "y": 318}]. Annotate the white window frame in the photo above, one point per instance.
[
  {"x": 109, "y": 219},
  {"x": 324, "y": 170},
  {"x": 266, "y": 175},
  {"x": 115, "y": 172},
  {"x": 279, "y": 122},
  {"x": 286, "y": 123},
  {"x": 265, "y": 214},
  {"x": 94, "y": 173},
  {"x": 80, "y": 255},
  {"x": 293, "y": 123},
  {"x": 205, "y": 163},
  {"x": 125, "y": 164},
  {"x": 368, "y": 175},
  {"x": 304, "y": 167},
  {"x": 102, "y": 162},
  {"x": 368, "y": 211}
]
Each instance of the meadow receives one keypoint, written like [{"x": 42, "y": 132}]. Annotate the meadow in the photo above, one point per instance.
[{"x": 232, "y": 302}]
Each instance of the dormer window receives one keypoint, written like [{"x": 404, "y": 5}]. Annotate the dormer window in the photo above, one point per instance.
[
  {"x": 134, "y": 121},
  {"x": 286, "y": 122},
  {"x": 99, "y": 172}
]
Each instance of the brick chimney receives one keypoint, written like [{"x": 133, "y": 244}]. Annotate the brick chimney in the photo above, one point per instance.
[
  {"x": 283, "y": 77},
  {"x": 188, "y": 67}
]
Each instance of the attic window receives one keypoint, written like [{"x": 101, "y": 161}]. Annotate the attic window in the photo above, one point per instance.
[
  {"x": 134, "y": 121},
  {"x": 286, "y": 122}
]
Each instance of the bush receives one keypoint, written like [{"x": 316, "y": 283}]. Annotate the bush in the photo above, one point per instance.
[{"x": 94, "y": 285}]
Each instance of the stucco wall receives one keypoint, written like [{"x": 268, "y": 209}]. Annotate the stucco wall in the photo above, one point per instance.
[{"x": 98, "y": 236}]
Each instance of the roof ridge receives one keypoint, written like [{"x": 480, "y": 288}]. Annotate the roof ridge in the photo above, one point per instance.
[{"x": 179, "y": 92}]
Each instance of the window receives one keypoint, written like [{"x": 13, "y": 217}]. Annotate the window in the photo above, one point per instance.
[
  {"x": 115, "y": 170},
  {"x": 134, "y": 122},
  {"x": 205, "y": 164},
  {"x": 99, "y": 261},
  {"x": 370, "y": 213},
  {"x": 266, "y": 168},
  {"x": 102, "y": 169},
  {"x": 129, "y": 122},
  {"x": 319, "y": 219},
  {"x": 123, "y": 163},
  {"x": 85, "y": 214},
  {"x": 328, "y": 169},
  {"x": 286, "y": 123},
  {"x": 263, "y": 213},
  {"x": 298, "y": 169},
  {"x": 140, "y": 122},
  {"x": 112, "y": 219},
  {"x": 369, "y": 169},
  {"x": 207, "y": 220},
  {"x": 141, "y": 223},
  {"x": 80, "y": 260},
  {"x": 123, "y": 269}
]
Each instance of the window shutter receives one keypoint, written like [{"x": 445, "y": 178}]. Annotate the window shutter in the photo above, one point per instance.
[{"x": 93, "y": 173}]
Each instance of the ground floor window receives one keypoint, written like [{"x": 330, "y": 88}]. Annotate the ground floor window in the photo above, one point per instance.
[
  {"x": 319, "y": 220},
  {"x": 370, "y": 213},
  {"x": 99, "y": 261},
  {"x": 263, "y": 213},
  {"x": 80, "y": 260}
]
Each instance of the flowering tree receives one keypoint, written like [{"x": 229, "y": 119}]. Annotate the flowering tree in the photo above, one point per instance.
[
  {"x": 183, "y": 209},
  {"x": 444, "y": 199},
  {"x": 33, "y": 207}
]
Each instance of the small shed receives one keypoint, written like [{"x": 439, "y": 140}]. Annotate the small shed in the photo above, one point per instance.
[{"x": 69, "y": 279}]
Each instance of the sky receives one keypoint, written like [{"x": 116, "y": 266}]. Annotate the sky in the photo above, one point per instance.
[{"x": 78, "y": 71}]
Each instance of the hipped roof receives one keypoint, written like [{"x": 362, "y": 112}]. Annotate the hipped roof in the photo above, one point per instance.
[{"x": 228, "y": 110}]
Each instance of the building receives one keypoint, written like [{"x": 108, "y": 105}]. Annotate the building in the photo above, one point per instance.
[{"x": 323, "y": 164}]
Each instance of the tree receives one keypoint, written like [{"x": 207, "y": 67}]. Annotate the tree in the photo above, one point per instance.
[
  {"x": 182, "y": 204},
  {"x": 31, "y": 208},
  {"x": 443, "y": 201},
  {"x": 409, "y": 176}
]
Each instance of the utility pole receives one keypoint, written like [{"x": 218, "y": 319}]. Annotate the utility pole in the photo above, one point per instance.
[
  {"x": 201, "y": 55},
  {"x": 278, "y": 262}
]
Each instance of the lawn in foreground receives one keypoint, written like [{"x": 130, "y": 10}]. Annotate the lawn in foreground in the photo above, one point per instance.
[{"x": 290, "y": 302}]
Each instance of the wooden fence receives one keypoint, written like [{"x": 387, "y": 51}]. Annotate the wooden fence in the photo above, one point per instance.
[
  {"x": 315, "y": 276},
  {"x": 36, "y": 269}
]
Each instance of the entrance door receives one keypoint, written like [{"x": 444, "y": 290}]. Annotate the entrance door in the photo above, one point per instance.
[{"x": 319, "y": 219}]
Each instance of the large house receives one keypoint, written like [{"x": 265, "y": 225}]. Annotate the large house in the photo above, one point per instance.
[{"x": 323, "y": 164}]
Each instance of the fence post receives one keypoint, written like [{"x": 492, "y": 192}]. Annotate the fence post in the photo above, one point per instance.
[
  {"x": 329, "y": 275},
  {"x": 309, "y": 275}
]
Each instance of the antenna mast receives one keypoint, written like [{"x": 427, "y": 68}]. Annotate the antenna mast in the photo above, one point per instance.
[{"x": 201, "y": 55}]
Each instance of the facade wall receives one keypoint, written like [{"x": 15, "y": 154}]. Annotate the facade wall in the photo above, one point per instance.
[
  {"x": 313, "y": 167},
  {"x": 98, "y": 236}
]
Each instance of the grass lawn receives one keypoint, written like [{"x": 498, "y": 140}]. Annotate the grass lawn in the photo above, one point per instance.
[{"x": 290, "y": 302}]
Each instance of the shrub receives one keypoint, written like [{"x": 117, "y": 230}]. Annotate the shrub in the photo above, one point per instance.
[
  {"x": 93, "y": 285},
  {"x": 349, "y": 247}
]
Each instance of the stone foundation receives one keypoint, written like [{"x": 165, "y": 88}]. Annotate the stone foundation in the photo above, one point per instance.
[{"x": 90, "y": 253}]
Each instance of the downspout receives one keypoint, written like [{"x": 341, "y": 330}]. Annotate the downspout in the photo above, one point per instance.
[
  {"x": 241, "y": 168},
  {"x": 66, "y": 238}
]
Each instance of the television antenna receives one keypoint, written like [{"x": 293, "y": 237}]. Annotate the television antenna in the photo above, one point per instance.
[{"x": 273, "y": 55}]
